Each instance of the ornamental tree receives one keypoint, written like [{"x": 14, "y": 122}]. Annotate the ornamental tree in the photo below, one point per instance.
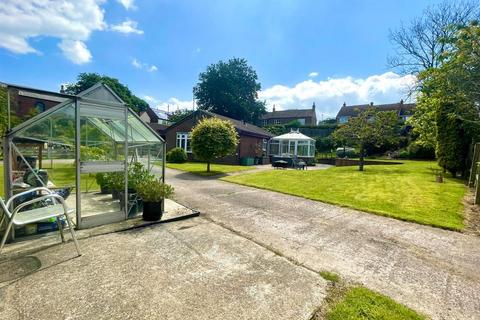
[
  {"x": 213, "y": 138},
  {"x": 369, "y": 128}
]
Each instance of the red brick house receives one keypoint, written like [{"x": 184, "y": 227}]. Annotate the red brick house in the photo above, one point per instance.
[
  {"x": 304, "y": 116},
  {"x": 253, "y": 140}
]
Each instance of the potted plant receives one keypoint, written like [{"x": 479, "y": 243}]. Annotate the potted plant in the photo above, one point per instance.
[
  {"x": 104, "y": 180},
  {"x": 153, "y": 193}
]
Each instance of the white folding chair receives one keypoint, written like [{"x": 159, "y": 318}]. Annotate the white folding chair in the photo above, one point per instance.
[{"x": 56, "y": 209}]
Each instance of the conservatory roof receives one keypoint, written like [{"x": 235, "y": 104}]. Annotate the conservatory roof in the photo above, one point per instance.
[{"x": 293, "y": 135}]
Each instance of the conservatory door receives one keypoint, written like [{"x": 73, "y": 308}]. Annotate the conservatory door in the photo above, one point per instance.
[
  {"x": 102, "y": 165},
  {"x": 292, "y": 147}
]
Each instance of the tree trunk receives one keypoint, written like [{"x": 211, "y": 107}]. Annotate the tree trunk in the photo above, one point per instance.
[
  {"x": 208, "y": 166},
  {"x": 362, "y": 160}
]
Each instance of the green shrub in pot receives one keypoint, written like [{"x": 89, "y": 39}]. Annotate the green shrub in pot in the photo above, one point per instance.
[
  {"x": 153, "y": 193},
  {"x": 104, "y": 180}
]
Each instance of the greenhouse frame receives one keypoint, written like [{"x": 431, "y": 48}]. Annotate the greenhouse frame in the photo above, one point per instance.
[
  {"x": 290, "y": 145},
  {"x": 71, "y": 146}
]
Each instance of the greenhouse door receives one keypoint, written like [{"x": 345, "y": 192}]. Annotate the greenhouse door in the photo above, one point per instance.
[{"x": 102, "y": 184}]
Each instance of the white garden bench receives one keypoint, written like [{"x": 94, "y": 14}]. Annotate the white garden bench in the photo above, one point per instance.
[{"x": 56, "y": 209}]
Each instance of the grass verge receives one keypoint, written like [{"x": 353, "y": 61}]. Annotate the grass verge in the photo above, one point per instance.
[
  {"x": 407, "y": 191},
  {"x": 200, "y": 168},
  {"x": 355, "y": 302}
]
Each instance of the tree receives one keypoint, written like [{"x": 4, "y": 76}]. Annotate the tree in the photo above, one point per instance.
[
  {"x": 448, "y": 108},
  {"x": 421, "y": 44},
  {"x": 179, "y": 114},
  {"x": 86, "y": 80},
  {"x": 230, "y": 89},
  {"x": 213, "y": 138},
  {"x": 369, "y": 128}
]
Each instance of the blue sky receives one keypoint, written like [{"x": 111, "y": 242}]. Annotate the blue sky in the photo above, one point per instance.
[{"x": 303, "y": 50}]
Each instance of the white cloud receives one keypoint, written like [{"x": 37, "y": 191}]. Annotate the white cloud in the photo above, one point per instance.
[
  {"x": 152, "y": 68},
  {"x": 170, "y": 104},
  {"x": 312, "y": 74},
  {"x": 144, "y": 66},
  {"x": 128, "y": 26},
  {"x": 71, "y": 21},
  {"x": 136, "y": 64},
  {"x": 76, "y": 51},
  {"x": 330, "y": 94},
  {"x": 128, "y": 4}
]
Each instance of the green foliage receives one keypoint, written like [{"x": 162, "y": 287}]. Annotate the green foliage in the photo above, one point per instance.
[
  {"x": 86, "y": 80},
  {"x": 324, "y": 144},
  {"x": 213, "y": 138},
  {"x": 179, "y": 114},
  {"x": 104, "y": 179},
  {"x": 447, "y": 116},
  {"x": 177, "y": 155},
  {"x": 137, "y": 173},
  {"x": 154, "y": 190},
  {"x": 452, "y": 140},
  {"x": 416, "y": 150},
  {"x": 293, "y": 124},
  {"x": 276, "y": 129},
  {"x": 362, "y": 303},
  {"x": 92, "y": 153},
  {"x": 371, "y": 128},
  {"x": 347, "y": 152},
  {"x": 230, "y": 89},
  {"x": 3, "y": 112}
]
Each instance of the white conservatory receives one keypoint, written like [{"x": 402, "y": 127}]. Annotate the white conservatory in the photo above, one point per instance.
[{"x": 292, "y": 144}]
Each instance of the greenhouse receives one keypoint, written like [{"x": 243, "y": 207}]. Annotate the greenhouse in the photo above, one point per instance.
[
  {"x": 76, "y": 146},
  {"x": 292, "y": 144}
]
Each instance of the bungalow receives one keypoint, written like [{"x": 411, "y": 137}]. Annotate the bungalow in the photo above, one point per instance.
[
  {"x": 404, "y": 110},
  {"x": 253, "y": 140},
  {"x": 304, "y": 116}
]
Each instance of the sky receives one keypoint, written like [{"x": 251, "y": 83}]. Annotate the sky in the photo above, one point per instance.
[{"x": 304, "y": 51}]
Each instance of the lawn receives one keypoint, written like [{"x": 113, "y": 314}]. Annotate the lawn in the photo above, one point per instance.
[
  {"x": 361, "y": 303},
  {"x": 407, "y": 191},
  {"x": 201, "y": 168},
  {"x": 62, "y": 175}
]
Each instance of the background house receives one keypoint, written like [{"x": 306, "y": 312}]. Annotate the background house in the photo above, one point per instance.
[
  {"x": 253, "y": 140},
  {"x": 156, "y": 123},
  {"x": 404, "y": 110},
  {"x": 304, "y": 116}
]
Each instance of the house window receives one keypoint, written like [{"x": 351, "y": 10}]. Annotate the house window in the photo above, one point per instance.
[
  {"x": 276, "y": 121},
  {"x": 183, "y": 141},
  {"x": 343, "y": 119},
  {"x": 302, "y": 121},
  {"x": 39, "y": 106},
  {"x": 274, "y": 147},
  {"x": 264, "y": 122}
]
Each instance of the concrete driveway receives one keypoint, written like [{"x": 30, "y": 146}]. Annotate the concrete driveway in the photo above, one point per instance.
[
  {"x": 433, "y": 271},
  {"x": 193, "y": 269}
]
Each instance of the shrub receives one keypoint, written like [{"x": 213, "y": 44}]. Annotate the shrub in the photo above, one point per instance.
[
  {"x": 104, "y": 179},
  {"x": 154, "y": 190},
  {"x": 137, "y": 173},
  {"x": 346, "y": 152},
  {"x": 418, "y": 151},
  {"x": 177, "y": 155}
]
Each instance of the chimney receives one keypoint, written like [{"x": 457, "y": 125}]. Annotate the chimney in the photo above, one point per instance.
[
  {"x": 62, "y": 88},
  {"x": 344, "y": 104},
  {"x": 371, "y": 103},
  {"x": 313, "y": 106},
  {"x": 401, "y": 101},
  {"x": 273, "y": 108}
]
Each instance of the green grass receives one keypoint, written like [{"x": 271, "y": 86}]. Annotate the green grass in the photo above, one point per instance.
[
  {"x": 361, "y": 303},
  {"x": 407, "y": 191},
  {"x": 329, "y": 276},
  {"x": 199, "y": 168},
  {"x": 62, "y": 175}
]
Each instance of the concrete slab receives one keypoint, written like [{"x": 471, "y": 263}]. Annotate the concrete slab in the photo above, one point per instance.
[
  {"x": 433, "y": 271},
  {"x": 188, "y": 270}
]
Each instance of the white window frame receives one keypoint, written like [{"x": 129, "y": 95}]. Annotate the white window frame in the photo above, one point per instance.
[
  {"x": 182, "y": 141},
  {"x": 276, "y": 121}
]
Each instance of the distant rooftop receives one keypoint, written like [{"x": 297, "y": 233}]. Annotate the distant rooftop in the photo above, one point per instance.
[{"x": 401, "y": 107}]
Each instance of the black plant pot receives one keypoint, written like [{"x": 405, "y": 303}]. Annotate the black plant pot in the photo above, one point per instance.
[
  {"x": 105, "y": 190},
  {"x": 152, "y": 211}
]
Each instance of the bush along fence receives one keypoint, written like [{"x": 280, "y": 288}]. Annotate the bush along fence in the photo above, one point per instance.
[{"x": 473, "y": 181}]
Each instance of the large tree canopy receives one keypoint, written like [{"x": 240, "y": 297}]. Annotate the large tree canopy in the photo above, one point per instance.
[
  {"x": 86, "y": 80},
  {"x": 447, "y": 114},
  {"x": 230, "y": 89},
  {"x": 421, "y": 44}
]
